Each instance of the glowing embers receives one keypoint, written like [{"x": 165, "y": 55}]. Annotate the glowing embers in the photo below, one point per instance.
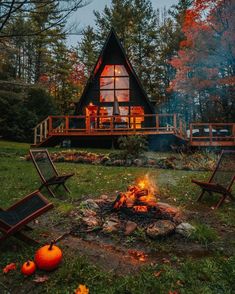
[{"x": 139, "y": 198}]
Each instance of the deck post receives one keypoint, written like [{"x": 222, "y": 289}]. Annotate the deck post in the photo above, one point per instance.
[
  {"x": 66, "y": 123},
  {"x": 35, "y": 135},
  {"x": 210, "y": 133},
  {"x": 45, "y": 128},
  {"x": 41, "y": 133},
  {"x": 175, "y": 122},
  {"x": 50, "y": 124},
  {"x": 181, "y": 128},
  {"x": 157, "y": 122},
  {"x": 191, "y": 133},
  {"x": 233, "y": 132},
  {"x": 112, "y": 123}
]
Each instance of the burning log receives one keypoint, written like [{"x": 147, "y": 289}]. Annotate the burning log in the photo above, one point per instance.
[{"x": 140, "y": 197}]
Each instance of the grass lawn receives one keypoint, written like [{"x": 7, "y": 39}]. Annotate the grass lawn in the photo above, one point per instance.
[{"x": 211, "y": 271}]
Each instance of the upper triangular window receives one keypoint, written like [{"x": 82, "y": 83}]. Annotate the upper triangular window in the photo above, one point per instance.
[{"x": 114, "y": 70}]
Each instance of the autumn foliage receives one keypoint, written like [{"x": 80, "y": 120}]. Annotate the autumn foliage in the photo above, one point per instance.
[{"x": 205, "y": 61}]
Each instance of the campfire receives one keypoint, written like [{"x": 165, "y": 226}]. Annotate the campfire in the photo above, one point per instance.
[
  {"x": 137, "y": 208},
  {"x": 140, "y": 198}
]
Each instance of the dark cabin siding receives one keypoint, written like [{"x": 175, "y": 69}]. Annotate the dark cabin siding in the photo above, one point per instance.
[{"x": 112, "y": 54}]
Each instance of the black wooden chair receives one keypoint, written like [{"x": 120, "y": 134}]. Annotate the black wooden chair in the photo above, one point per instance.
[
  {"x": 222, "y": 178},
  {"x": 16, "y": 217},
  {"x": 47, "y": 170}
]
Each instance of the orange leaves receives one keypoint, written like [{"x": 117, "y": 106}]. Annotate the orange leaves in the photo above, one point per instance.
[
  {"x": 82, "y": 289},
  {"x": 9, "y": 267},
  {"x": 204, "y": 58}
]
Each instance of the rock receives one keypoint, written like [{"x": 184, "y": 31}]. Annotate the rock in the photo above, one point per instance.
[
  {"x": 160, "y": 228},
  {"x": 185, "y": 229},
  {"x": 111, "y": 225},
  {"x": 151, "y": 162},
  {"x": 118, "y": 162},
  {"x": 88, "y": 212},
  {"x": 104, "y": 197},
  {"x": 130, "y": 228},
  {"x": 89, "y": 204},
  {"x": 166, "y": 211},
  {"x": 91, "y": 221},
  {"x": 128, "y": 162},
  {"x": 138, "y": 162}
]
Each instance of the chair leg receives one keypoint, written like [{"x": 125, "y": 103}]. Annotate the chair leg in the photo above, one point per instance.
[
  {"x": 200, "y": 196},
  {"x": 50, "y": 191},
  {"x": 66, "y": 188},
  {"x": 221, "y": 201}
]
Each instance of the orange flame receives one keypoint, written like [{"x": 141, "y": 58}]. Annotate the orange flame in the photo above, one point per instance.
[{"x": 138, "y": 197}]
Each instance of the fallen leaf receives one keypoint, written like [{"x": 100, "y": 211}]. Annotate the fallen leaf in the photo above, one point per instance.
[
  {"x": 9, "y": 267},
  {"x": 166, "y": 260},
  {"x": 82, "y": 289},
  {"x": 179, "y": 283},
  {"x": 41, "y": 279},
  {"x": 157, "y": 274}
]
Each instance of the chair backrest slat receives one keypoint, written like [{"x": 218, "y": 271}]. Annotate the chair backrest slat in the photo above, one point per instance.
[
  {"x": 43, "y": 164},
  {"x": 224, "y": 173}
]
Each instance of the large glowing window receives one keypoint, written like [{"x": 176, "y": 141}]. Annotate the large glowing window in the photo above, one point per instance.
[{"x": 114, "y": 81}]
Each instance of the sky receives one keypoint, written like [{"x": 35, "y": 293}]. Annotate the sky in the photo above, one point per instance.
[{"x": 84, "y": 16}]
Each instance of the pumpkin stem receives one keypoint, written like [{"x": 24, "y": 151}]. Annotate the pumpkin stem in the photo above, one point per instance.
[
  {"x": 28, "y": 263},
  {"x": 51, "y": 245}
]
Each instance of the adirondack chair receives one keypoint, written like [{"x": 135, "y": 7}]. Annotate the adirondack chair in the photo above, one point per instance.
[
  {"x": 47, "y": 171},
  {"x": 222, "y": 178},
  {"x": 16, "y": 217}
]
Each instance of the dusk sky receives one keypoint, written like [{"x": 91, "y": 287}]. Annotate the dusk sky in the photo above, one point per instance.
[{"x": 85, "y": 16}]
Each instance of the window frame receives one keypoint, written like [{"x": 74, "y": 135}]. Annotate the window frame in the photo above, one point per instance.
[{"x": 114, "y": 84}]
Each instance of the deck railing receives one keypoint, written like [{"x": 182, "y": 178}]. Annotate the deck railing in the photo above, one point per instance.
[
  {"x": 82, "y": 125},
  {"x": 212, "y": 134}
]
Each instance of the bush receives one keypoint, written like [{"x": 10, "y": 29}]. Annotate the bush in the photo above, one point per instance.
[
  {"x": 21, "y": 111},
  {"x": 40, "y": 102},
  {"x": 16, "y": 121},
  {"x": 132, "y": 146}
]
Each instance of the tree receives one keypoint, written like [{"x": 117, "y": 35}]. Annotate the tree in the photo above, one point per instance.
[
  {"x": 66, "y": 78},
  {"x": 206, "y": 60},
  {"x": 11, "y": 8},
  {"x": 87, "y": 49}
]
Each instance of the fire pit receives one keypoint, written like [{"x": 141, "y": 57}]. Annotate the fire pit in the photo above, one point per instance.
[{"x": 137, "y": 208}]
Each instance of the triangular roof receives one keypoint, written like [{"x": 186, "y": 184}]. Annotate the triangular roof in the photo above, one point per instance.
[{"x": 112, "y": 37}]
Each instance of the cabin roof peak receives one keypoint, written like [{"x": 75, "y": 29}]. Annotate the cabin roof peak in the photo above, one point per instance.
[{"x": 112, "y": 39}]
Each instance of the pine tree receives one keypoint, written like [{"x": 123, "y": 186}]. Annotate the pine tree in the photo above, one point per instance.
[{"x": 87, "y": 49}]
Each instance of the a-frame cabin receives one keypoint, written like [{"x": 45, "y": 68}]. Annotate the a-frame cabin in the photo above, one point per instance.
[
  {"x": 114, "y": 89},
  {"x": 114, "y": 104}
]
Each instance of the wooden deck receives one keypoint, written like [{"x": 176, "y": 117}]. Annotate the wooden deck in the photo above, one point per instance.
[
  {"x": 81, "y": 126},
  {"x": 198, "y": 134},
  {"x": 212, "y": 134}
]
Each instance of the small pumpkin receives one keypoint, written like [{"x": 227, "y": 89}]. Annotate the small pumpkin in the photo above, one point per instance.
[
  {"x": 28, "y": 268},
  {"x": 48, "y": 257}
]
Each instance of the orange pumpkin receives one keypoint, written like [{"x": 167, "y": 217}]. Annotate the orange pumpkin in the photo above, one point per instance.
[
  {"x": 48, "y": 257},
  {"x": 28, "y": 268}
]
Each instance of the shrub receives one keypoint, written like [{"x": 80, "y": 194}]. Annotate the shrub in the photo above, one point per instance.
[
  {"x": 132, "y": 146},
  {"x": 16, "y": 121}
]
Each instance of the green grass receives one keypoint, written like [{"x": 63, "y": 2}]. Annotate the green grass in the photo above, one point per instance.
[{"x": 205, "y": 274}]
